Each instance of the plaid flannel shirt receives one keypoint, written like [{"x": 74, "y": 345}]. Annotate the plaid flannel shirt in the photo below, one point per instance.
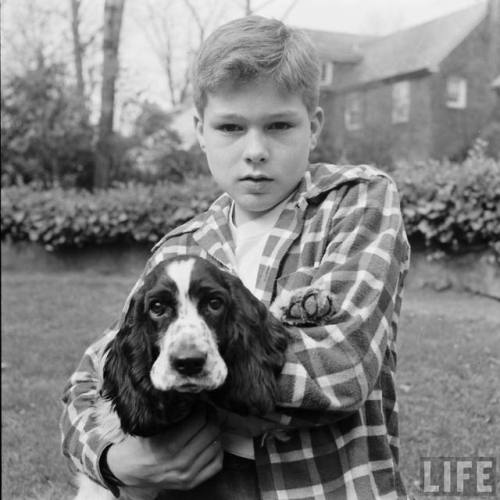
[{"x": 342, "y": 229}]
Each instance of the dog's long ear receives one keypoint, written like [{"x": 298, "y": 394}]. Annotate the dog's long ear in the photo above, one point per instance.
[
  {"x": 126, "y": 377},
  {"x": 254, "y": 351},
  {"x": 143, "y": 410}
]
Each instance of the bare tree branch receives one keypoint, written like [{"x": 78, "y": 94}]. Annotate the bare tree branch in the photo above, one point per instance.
[
  {"x": 197, "y": 19},
  {"x": 289, "y": 9},
  {"x": 249, "y": 10},
  {"x": 158, "y": 34},
  {"x": 173, "y": 49},
  {"x": 262, "y": 5}
]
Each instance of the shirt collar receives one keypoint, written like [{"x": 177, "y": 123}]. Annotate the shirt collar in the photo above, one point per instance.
[{"x": 261, "y": 224}]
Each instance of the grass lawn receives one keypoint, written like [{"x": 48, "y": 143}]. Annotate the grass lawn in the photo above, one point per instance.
[{"x": 449, "y": 366}]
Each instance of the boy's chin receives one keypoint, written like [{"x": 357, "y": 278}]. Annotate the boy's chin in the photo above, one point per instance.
[{"x": 247, "y": 212}]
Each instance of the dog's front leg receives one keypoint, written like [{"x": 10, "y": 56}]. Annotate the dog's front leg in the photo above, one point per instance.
[{"x": 305, "y": 306}]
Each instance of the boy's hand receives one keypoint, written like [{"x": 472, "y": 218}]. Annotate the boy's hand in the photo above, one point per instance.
[{"x": 181, "y": 458}]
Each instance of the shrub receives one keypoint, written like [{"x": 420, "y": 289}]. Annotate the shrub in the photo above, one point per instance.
[
  {"x": 150, "y": 165},
  {"x": 448, "y": 207},
  {"x": 47, "y": 137},
  {"x": 45, "y": 134},
  {"x": 491, "y": 135},
  {"x": 452, "y": 207},
  {"x": 159, "y": 153},
  {"x": 58, "y": 218}
]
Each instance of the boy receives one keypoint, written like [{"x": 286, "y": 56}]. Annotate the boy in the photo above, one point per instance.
[{"x": 281, "y": 225}]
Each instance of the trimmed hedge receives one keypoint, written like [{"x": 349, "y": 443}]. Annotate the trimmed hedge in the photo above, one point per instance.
[
  {"x": 450, "y": 207},
  {"x": 447, "y": 207},
  {"x": 58, "y": 218}
]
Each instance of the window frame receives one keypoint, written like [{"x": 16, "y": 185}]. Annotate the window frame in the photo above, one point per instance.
[
  {"x": 401, "y": 101},
  {"x": 353, "y": 116},
  {"x": 456, "y": 92},
  {"x": 326, "y": 73}
]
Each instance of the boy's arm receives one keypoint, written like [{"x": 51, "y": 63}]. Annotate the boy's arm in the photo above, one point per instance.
[
  {"x": 80, "y": 442},
  {"x": 331, "y": 370}
]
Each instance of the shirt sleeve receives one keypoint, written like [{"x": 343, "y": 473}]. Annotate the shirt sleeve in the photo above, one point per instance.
[
  {"x": 81, "y": 444},
  {"x": 332, "y": 369}
]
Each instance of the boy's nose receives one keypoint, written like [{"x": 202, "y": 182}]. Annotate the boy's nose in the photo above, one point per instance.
[{"x": 256, "y": 150}]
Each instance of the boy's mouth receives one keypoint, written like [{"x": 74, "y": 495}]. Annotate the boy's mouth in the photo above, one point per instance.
[
  {"x": 256, "y": 178},
  {"x": 256, "y": 184}
]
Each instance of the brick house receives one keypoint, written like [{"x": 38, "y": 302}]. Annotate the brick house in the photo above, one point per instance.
[{"x": 423, "y": 92}]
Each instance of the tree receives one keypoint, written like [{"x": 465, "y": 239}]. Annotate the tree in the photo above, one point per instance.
[
  {"x": 32, "y": 31},
  {"x": 84, "y": 35},
  {"x": 174, "y": 30},
  {"x": 113, "y": 14},
  {"x": 77, "y": 49},
  {"x": 43, "y": 136},
  {"x": 250, "y": 9}
]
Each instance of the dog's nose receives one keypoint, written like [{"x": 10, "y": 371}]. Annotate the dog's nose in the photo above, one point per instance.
[{"x": 189, "y": 365}]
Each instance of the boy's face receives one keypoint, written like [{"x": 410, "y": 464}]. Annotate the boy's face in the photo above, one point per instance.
[{"x": 257, "y": 140}]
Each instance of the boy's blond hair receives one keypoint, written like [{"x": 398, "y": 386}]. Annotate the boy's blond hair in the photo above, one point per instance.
[{"x": 254, "y": 47}]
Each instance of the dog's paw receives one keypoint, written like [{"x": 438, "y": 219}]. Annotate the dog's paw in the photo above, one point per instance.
[{"x": 306, "y": 306}]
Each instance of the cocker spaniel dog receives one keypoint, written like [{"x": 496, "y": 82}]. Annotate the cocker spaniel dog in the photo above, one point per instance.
[{"x": 190, "y": 329}]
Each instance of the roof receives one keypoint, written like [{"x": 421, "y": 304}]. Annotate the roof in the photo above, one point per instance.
[
  {"x": 338, "y": 47},
  {"x": 422, "y": 47},
  {"x": 496, "y": 83}
]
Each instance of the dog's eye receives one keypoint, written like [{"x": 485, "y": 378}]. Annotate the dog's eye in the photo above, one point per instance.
[
  {"x": 157, "y": 308},
  {"x": 215, "y": 304}
]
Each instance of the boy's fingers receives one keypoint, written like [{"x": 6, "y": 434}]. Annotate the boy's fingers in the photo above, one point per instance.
[
  {"x": 198, "y": 469},
  {"x": 208, "y": 469},
  {"x": 204, "y": 440}
]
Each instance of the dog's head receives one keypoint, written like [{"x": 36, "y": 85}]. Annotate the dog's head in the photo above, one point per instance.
[{"x": 192, "y": 328}]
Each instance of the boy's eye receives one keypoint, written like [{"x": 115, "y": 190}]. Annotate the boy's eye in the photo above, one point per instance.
[
  {"x": 229, "y": 128},
  {"x": 280, "y": 126}
]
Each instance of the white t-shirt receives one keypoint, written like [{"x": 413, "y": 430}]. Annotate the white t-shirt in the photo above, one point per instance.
[{"x": 250, "y": 239}]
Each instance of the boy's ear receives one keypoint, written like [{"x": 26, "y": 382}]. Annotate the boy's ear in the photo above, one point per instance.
[
  {"x": 317, "y": 118},
  {"x": 198, "y": 127}
]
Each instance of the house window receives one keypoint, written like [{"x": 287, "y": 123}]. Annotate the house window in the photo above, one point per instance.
[
  {"x": 456, "y": 92},
  {"x": 353, "y": 112},
  {"x": 326, "y": 76},
  {"x": 401, "y": 102}
]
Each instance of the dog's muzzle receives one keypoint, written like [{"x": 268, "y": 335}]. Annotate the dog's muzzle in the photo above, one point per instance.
[{"x": 189, "y": 360}]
